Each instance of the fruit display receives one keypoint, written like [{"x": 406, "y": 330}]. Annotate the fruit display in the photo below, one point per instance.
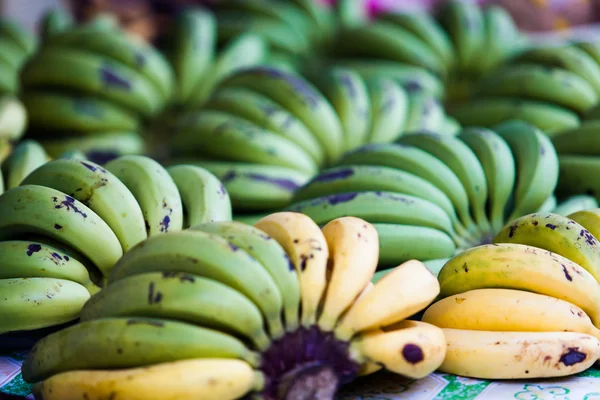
[
  {"x": 92, "y": 88},
  {"x": 65, "y": 223},
  {"x": 282, "y": 309}
]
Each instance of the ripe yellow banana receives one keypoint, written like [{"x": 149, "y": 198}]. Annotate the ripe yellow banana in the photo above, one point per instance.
[
  {"x": 589, "y": 219},
  {"x": 509, "y": 310},
  {"x": 354, "y": 250},
  {"x": 405, "y": 290},
  {"x": 206, "y": 379},
  {"x": 307, "y": 247},
  {"x": 518, "y": 355},
  {"x": 410, "y": 348},
  {"x": 517, "y": 266}
]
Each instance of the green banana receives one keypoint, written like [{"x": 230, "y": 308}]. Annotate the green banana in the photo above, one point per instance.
[
  {"x": 54, "y": 22},
  {"x": 99, "y": 145},
  {"x": 11, "y": 53},
  {"x": 351, "y": 13},
  {"x": 582, "y": 140},
  {"x": 425, "y": 113},
  {"x": 271, "y": 255},
  {"x": 81, "y": 114},
  {"x": 26, "y": 157},
  {"x": 222, "y": 135},
  {"x": 113, "y": 343},
  {"x": 212, "y": 257},
  {"x": 574, "y": 175},
  {"x": 487, "y": 112},
  {"x": 96, "y": 75},
  {"x": 539, "y": 82},
  {"x": 537, "y": 165},
  {"x": 464, "y": 21},
  {"x": 499, "y": 167},
  {"x": 266, "y": 113},
  {"x": 390, "y": 111},
  {"x": 25, "y": 39},
  {"x": 9, "y": 80},
  {"x": 298, "y": 96},
  {"x": 548, "y": 205},
  {"x": 575, "y": 203},
  {"x": 13, "y": 118},
  {"x": 502, "y": 37},
  {"x": 183, "y": 297},
  {"x": 99, "y": 190},
  {"x": 154, "y": 190},
  {"x": 203, "y": 196}
]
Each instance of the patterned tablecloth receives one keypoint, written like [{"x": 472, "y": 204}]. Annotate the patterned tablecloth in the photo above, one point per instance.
[{"x": 385, "y": 386}]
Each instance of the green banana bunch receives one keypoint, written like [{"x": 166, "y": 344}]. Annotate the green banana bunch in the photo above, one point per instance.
[
  {"x": 96, "y": 213},
  {"x": 256, "y": 306},
  {"x": 16, "y": 46},
  {"x": 437, "y": 194},
  {"x": 90, "y": 80}
]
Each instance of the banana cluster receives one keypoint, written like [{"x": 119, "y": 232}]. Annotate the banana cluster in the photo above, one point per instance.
[
  {"x": 92, "y": 87},
  {"x": 437, "y": 194},
  {"x": 527, "y": 305},
  {"x": 16, "y": 46},
  {"x": 282, "y": 309},
  {"x": 65, "y": 223}
]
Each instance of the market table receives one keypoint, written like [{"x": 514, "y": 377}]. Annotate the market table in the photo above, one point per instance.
[{"x": 384, "y": 386}]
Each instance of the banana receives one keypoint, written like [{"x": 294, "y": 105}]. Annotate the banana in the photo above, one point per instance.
[
  {"x": 537, "y": 165},
  {"x": 322, "y": 17},
  {"x": 351, "y": 13},
  {"x": 96, "y": 75},
  {"x": 26, "y": 157},
  {"x": 376, "y": 207},
  {"x": 250, "y": 219},
  {"x": 488, "y": 112},
  {"x": 498, "y": 164},
  {"x": 419, "y": 163},
  {"x": 382, "y": 39},
  {"x": 223, "y": 135},
  {"x": 99, "y": 190},
  {"x": 411, "y": 348},
  {"x": 502, "y": 37},
  {"x": 348, "y": 93},
  {"x": 428, "y": 30},
  {"x": 298, "y": 96},
  {"x": 582, "y": 140},
  {"x": 548, "y": 205},
  {"x": 425, "y": 113},
  {"x": 400, "y": 243},
  {"x": 22, "y": 37},
  {"x": 575, "y": 204},
  {"x": 13, "y": 118},
  {"x": 54, "y": 22},
  {"x": 270, "y": 254},
  {"x": 508, "y": 310},
  {"x": 389, "y": 111},
  {"x": 80, "y": 115},
  {"x": 206, "y": 378},
  {"x": 183, "y": 297},
  {"x": 154, "y": 190},
  {"x": 575, "y": 172},
  {"x": 463, "y": 161},
  {"x": 591, "y": 48},
  {"x": 212, "y": 257},
  {"x": 112, "y": 343},
  {"x": 540, "y": 82},
  {"x": 518, "y": 355},
  {"x": 255, "y": 186},
  {"x": 354, "y": 251},
  {"x": 105, "y": 145},
  {"x": 11, "y": 53},
  {"x": 568, "y": 57},
  {"x": 450, "y": 126},
  {"x": 126, "y": 49},
  {"x": 29, "y": 259},
  {"x": 204, "y": 197},
  {"x": 266, "y": 113},
  {"x": 35, "y": 209},
  {"x": 589, "y": 219},
  {"x": 72, "y": 155},
  {"x": 244, "y": 51},
  {"x": 405, "y": 290},
  {"x": 412, "y": 78},
  {"x": 307, "y": 249},
  {"x": 521, "y": 267},
  {"x": 190, "y": 46},
  {"x": 33, "y": 303},
  {"x": 465, "y": 23},
  {"x": 9, "y": 80}
]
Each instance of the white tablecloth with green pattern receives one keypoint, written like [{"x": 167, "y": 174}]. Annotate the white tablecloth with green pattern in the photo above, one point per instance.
[{"x": 385, "y": 386}]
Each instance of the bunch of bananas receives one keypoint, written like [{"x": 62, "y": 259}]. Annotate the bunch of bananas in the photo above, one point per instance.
[
  {"x": 551, "y": 87},
  {"x": 91, "y": 88},
  {"x": 437, "y": 194},
  {"x": 282, "y": 309},
  {"x": 16, "y": 46},
  {"x": 67, "y": 223},
  {"x": 526, "y": 306}
]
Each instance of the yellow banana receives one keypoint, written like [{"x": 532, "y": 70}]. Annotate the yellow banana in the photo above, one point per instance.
[{"x": 589, "y": 219}]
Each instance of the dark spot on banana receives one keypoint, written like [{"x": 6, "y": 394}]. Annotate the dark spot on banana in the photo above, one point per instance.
[
  {"x": 147, "y": 226},
  {"x": 153, "y": 297},
  {"x": 572, "y": 356},
  {"x": 56, "y": 255},
  {"x": 86, "y": 107},
  {"x": 290, "y": 263},
  {"x": 112, "y": 79},
  {"x": 465, "y": 268},
  {"x": 551, "y": 226},
  {"x": 569, "y": 278},
  {"x": 296, "y": 241},
  {"x": 412, "y": 86},
  {"x": 119, "y": 350},
  {"x": 140, "y": 60},
  {"x": 303, "y": 262},
  {"x": 282, "y": 183},
  {"x": 340, "y": 198},
  {"x": 69, "y": 204},
  {"x": 164, "y": 224},
  {"x": 33, "y": 248},
  {"x": 233, "y": 246},
  {"x": 513, "y": 228},
  {"x": 542, "y": 150},
  {"x": 535, "y": 223},
  {"x": 335, "y": 175},
  {"x": 57, "y": 227},
  {"x": 412, "y": 353}
]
